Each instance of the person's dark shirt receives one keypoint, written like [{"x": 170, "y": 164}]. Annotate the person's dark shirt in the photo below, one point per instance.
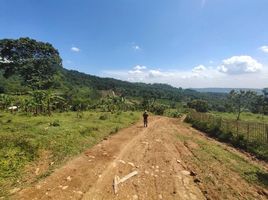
[{"x": 145, "y": 116}]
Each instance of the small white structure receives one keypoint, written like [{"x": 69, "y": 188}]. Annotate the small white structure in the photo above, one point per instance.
[{"x": 13, "y": 108}]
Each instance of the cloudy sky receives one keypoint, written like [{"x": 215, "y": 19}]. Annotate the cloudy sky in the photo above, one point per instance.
[{"x": 186, "y": 43}]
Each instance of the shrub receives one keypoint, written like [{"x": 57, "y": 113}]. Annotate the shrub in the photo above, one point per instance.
[
  {"x": 198, "y": 105},
  {"x": 89, "y": 131},
  {"x": 173, "y": 113},
  {"x": 225, "y": 137},
  {"x": 158, "y": 109},
  {"x": 239, "y": 141},
  {"x": 116, "y": 129},
  {"x": 103, "y": 117},
  {"x": 55, "y": 123}
]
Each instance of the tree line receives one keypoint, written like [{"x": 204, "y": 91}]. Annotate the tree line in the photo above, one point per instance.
[
  {"x": 32, "y": 76},
  {"x": 237, "y": 101}
]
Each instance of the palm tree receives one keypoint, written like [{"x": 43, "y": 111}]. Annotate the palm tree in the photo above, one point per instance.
[{"x": 52, "y": 99}]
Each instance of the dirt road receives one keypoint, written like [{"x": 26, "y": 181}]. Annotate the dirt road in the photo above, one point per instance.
[{"x": 168, "y": 167}]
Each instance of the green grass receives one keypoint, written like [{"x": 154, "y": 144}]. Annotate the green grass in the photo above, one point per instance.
[
  {"x": 209, "y": 153},
  {"x": 254, "y": 141},
  {"x": 245, "y": 116},
  {"x": 24, "y": 138},
  {"x": 175, "y": 113}
]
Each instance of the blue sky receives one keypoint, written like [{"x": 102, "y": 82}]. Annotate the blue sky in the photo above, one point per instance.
[{"x": 187, "y": 43}]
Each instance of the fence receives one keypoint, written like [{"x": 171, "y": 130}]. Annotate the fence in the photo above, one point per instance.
[{"x": 251, "y": 131}]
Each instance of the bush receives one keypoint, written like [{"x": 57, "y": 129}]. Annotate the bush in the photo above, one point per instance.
[
  {"x": 103, "y": 117},
  {"x": 198, "y": 105},
  {"x": 89, "y": 131},
  {"x": 116, "y": 129},
  {"x": 158, "y": 109},
  {"x": 225, "y": 137},
  {"x": 260, "y": 150},
  {"x": 173, "y": 113},
  {"x": 55, "y": 123},
  {"x": 239, "y": 141}
]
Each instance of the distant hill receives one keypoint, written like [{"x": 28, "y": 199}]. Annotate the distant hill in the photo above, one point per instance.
[
  {"x": 71, "y": 78},
  {"x": 84, "y": 86},
  {"x": 225, "y": 90}
]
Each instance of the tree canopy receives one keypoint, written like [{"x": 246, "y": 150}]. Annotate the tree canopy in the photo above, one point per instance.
[
  {"x": 241, "y": 100},
  {"x": 35, "y": 62}
]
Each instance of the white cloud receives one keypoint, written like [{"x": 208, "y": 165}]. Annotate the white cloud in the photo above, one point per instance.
[
  {"x": 199, "y": 68},
  {"x": 158, "y": 74},
  {"x": 200, "y": 76},
  {"x": 75, "y": 49},
  {"x": 264, "y": 49},
  {"x": 136, "y": 71},
  {"x": 136, "y": 47},
  {"x": 140, "y": 67},
  {"x": 240, "y": 65}
]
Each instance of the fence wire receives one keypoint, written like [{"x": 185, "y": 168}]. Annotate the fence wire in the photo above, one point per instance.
[{"x": 251, "y": 131}]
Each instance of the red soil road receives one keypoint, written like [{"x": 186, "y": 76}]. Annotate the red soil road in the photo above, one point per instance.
[{"x": 157, "y": 155}]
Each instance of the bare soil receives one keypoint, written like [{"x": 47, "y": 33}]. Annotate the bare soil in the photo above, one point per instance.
[{"x": 164, "y": 164}]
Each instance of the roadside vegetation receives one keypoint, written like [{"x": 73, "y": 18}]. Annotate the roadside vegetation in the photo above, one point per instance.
[
  {"x": 245, "y": 116},
  {"x": 216, "y": 165},
  {"x": 26, "y": 141},
  {"x": 248, "y": 136}
]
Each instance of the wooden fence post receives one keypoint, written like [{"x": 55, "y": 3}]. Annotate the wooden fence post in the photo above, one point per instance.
[
  {"x": 248, "y": 133},
  {"x": 266, "y": 127},
  {"x": 236, "y": 128}
]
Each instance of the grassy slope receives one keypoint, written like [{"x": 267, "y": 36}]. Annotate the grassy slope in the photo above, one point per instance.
[
  {"x": 211, "y": 158},
  {"x": 245, "y": 116},
  {"x": 24, "y": 140}
]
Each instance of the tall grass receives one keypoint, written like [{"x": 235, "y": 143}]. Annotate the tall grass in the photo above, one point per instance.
[{"x": 245, "y": 116}]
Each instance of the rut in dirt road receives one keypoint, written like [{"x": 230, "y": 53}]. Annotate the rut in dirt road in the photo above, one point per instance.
[{"x": 154, "y": 152}]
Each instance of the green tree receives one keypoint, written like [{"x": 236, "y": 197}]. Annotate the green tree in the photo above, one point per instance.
[
  {"x": 35, "y": 62},
  {"x": 241, "y": 101},
  {"x": 51, "y": 99},
  {"x": 199, "y": 105},
  {"x": 5, "y": 101},
  {"x": 38, "y": 100}
]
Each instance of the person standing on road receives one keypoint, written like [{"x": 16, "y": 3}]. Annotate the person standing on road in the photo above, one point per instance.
[{"x": 145, "y": 118}]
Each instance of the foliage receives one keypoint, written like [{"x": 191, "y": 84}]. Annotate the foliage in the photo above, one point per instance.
[
  {"x": 55, "y": 123},
  {"x": 173, "y": 113},
  {"x": 28, "y": 63},
  {"x": 198, "y": 105},
  {"x": 5, "y": 101},
  {"x": 241, "y": 100},
  {"x": 36, "y": 62}
]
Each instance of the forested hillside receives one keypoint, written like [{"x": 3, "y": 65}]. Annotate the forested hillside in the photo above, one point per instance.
[
  {"x": 28, "y": 66},
  {"x": 33, "y": 78}
]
